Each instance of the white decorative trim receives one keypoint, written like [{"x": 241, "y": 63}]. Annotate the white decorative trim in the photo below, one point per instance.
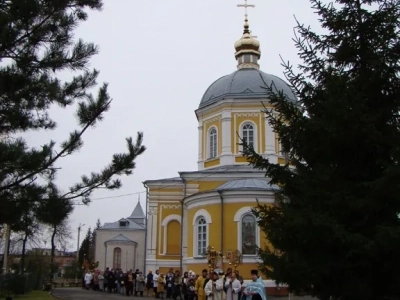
[
  {"x": 201, "y": 213},
  {"x": 208, "y": 143},
  {"x": 247, "y": 114},
  {"x": 158, "y": 229},
  {"x": 226, "y": 132},
  {"x": 269, "y": 139},
  {"x": 164, "y": 224},
  {"x": 260, "y": 134},
  {"x": 255, "y": 135},
  {"x": 170, "y": 218},
  {"x": 213, "y": 198},
  {"x": 171, "y": 206},
  {"x": 212, "y": 119},
  {"x": 202, "y": 261},
  {"x": 240, "y": 214},
  {"x": 242, "y": 211},
  {"x": 155, "y": 264},
  {"x": 200, "y": 141}
]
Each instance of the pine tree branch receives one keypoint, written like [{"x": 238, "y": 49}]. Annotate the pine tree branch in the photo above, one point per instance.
[{"x": 61, "y": 153}]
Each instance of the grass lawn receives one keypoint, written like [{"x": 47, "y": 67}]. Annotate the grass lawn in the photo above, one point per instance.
[{"x": 35, "y": 295}]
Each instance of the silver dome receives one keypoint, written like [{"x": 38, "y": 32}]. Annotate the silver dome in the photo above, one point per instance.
[{"x": 244, "y": 83}]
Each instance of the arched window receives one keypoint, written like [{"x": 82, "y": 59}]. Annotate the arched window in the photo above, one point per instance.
[
  {"x": 248, "y": 134},
  {"x": 213, "y": 143},
  {"x": 201, "y": 235},
  {"x": 117, "y": 258},
  {"x": 249, "y": 235}
]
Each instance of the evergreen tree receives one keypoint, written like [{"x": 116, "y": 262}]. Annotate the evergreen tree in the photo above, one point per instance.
[
  {"x": 84, "y": 249},
  {"x": 336, "y": 216},
  {"x": 36, "y": 44},
  {"x": 92, "y": 249}
]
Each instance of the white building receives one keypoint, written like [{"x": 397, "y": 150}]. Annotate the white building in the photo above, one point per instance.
[{"x": 121, "y": 244}]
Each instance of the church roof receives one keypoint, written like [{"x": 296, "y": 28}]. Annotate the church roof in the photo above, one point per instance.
[
  {"x": 116, "y": 225},
  {"x": 120, "y": 238},
  {"x": 244, "y": 84},
  {"x": 242, "y": 168},
  {"x": 248, "y": 184},
  {"x": 138, "y": 212}
]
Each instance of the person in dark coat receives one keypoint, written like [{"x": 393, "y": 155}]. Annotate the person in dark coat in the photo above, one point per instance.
[{"x": 149, "y": 283}]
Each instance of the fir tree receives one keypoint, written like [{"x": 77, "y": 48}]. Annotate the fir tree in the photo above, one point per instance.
[
  {"x": 36, "y": 44},
  {"x": 336, "y": 216},
  {"x": 84, "y": 249}
]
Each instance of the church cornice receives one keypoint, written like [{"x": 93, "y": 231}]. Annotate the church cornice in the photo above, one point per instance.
[
  {"x": 132, "y": 243},
  {"x": 212, "y": 120},
  {"x": 234, "y": 196},
  {"x": 232, "y": 104}
]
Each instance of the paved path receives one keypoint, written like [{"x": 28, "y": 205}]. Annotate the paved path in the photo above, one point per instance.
[{"x": 80, "y": 294}]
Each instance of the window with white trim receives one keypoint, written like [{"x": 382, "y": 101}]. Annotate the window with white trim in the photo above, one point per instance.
[
  {"x": 249, "y": 234},
  {"x": 201, "y": 236},
  {"x": 248, "y": 134},
  {"x": 213, "y": 139}
]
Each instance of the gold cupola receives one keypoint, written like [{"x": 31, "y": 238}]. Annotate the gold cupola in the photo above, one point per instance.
[{"x": 247, "y": 49}]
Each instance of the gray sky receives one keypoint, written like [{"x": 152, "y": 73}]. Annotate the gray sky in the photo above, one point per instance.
[{"x": 159, "y": 57}]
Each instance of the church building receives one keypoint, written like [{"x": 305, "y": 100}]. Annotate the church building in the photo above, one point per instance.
[
  {"x": 121, "y": 244},
  {"x": 211, "y": 206}
]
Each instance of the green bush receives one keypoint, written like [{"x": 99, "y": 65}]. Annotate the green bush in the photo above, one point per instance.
[{"x": 14, "y": 284}]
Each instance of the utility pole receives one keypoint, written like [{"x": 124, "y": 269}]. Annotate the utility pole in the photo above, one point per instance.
[
  {"x": 7, "y": 234},
  {"x": 79, "y": 235},
  {"x": 77, "y": 251}
]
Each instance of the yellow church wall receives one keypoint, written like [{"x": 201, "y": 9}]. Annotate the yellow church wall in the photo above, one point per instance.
[
  {"x": 173, "y": 242},
  {"x": 169, "y": 237},
  {"x": 209, "y": 185},
  {"x": 241, "y": 159},
  {"x": 207, "y": 126},
  {"x": 165, "y": 189},
  {"x": 230, "y": 238},
  {"x": 211, "y": 163}
]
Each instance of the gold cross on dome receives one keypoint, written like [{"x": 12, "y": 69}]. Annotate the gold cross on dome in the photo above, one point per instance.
[{"x": 245, "y": 5}]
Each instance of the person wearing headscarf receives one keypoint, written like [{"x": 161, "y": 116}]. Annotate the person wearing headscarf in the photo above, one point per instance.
[
  {"x": 255, "y": 290},
  {"x": 214, "y": 288},
  {"x": 160, "y": 286},
  {"x": 139, "y": 288}
]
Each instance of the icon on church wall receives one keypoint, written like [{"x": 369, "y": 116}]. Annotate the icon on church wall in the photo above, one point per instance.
[{"x": 249, "y": 235}]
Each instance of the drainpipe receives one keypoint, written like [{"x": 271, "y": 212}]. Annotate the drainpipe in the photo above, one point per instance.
[
  {"x": 182, "y": 215},
  {"x": 105, "y": 256},
  {"x": 222, "y": 226},
  {"x": 135, "y": 256},
  {"x": 146, "y": 224}
]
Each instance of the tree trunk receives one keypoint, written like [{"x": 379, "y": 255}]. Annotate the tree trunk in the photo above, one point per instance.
[
  {"x": 53, "y": 247},
  {"x": 22, "y": 265}
]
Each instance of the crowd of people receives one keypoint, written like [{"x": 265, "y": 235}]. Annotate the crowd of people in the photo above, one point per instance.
[{"x": 190, "y": 286}]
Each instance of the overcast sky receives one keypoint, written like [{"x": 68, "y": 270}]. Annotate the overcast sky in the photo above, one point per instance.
[{"x": 159, "y": 57}]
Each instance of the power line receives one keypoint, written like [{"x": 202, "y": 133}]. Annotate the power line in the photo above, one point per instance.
[{"x": 156, "y": 189}]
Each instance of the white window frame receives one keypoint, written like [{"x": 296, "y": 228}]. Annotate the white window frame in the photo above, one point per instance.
[
  {"x": 255, "y": 134},
  {"x": 215, "y": 149},
  {"x": 200, "y": 214},
  {"x": 240, "y": 214},
  {"x": 164, "y": 224}
]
